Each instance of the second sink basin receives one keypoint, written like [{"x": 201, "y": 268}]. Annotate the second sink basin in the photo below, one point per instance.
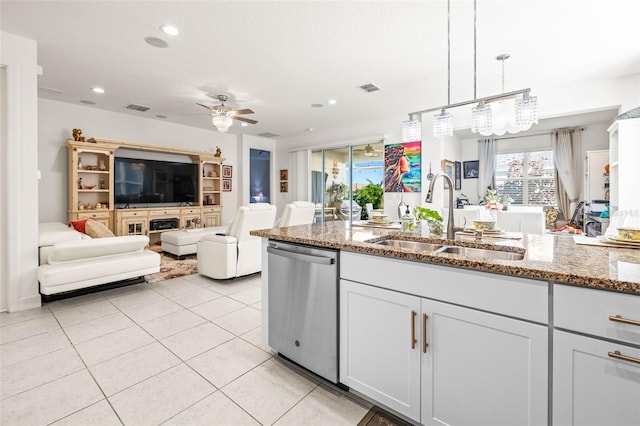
[{"x": 481, "y": 253}]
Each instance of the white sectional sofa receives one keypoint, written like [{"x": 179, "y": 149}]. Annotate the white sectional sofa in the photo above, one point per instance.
[
  {"x": 84, "y": 263},
  {"x": 50, "y": 233}
]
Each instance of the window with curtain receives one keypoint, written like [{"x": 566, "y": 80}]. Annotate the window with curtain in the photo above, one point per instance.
[{"x": 528, "y": 177}]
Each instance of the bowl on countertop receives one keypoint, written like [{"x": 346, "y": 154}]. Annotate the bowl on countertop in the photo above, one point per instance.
[
  {"x": 484, "y": 225},
  {"x": 630, "y": 234},
  {"x": 378, "y": 216}
]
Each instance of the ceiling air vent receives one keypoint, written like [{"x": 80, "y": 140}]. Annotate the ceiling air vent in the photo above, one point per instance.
[
  {"x": 268, "y": 135},
  {"x": 138, "y": 107},
  {"x": 369, "y": 87}
]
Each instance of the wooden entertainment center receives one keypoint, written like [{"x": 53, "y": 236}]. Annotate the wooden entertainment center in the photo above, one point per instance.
[{"x": 91, "y": 191}]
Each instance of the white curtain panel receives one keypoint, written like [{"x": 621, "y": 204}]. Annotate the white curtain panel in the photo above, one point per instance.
[
  {"x": 487, "y": 150},
  {"x": 566, "y": 159},
  {"x": 300, "y": 175}
]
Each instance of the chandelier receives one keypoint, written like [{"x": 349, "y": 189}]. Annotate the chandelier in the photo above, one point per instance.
[
  {"x": 222, "y": 120},
  {"x": 511, "y": 112}
]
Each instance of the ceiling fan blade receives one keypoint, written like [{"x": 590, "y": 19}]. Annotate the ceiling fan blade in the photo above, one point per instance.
[
  {"x": 242, "y": 111},
  {"x": 246, "y": 120},
  {"x": 206, "y": 106}
]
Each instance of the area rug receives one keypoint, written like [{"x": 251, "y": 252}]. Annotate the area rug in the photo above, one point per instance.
[
  {"x": 170, "y": 267},
  {"x": 378, "y": 417}
]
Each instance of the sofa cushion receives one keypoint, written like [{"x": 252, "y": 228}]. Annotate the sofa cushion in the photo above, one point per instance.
[
  {"x": 79, "y": 225},
  {"x": 83, "y": 249},
  {"x": 96, "y": 229}
]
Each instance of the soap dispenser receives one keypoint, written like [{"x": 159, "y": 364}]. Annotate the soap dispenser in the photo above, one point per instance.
[{"x": 408, "y": 222}]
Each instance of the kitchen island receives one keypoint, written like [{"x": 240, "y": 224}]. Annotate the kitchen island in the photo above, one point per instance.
[{"x": 441, "y": 338}]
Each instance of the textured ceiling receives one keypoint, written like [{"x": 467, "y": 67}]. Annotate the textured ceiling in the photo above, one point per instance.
[{"x": 279, "y": 57}]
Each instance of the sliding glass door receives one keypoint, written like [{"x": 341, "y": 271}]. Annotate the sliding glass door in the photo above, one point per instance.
[{"x": 344, "y": 179}]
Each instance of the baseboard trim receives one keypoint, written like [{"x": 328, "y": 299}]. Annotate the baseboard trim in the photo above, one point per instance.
[{"x": 29, "y": 302}]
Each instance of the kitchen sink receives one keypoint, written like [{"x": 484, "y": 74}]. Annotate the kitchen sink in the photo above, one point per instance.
[
  {"x": 453, "y": 250},
  {"x": 481, "y": 253},
  {"x": 412, "y": 245}
]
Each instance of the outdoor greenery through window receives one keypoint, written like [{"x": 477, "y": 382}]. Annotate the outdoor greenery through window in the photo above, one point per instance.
[{"x": 528, "y": 177}]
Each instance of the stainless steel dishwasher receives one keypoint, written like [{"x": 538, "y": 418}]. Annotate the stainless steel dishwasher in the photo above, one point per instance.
[{"x": 303, "y": 306}]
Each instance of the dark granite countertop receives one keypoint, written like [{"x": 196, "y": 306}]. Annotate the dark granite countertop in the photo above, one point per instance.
[{"x": 547, "y": 257}]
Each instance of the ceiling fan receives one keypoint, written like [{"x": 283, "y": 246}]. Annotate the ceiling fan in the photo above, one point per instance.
[
  {"x": 222, "y": 116},
  {"x": 369, "y": 151}
]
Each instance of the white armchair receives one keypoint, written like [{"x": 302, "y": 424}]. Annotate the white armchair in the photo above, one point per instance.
[
  {"x": 237, "y": 253},
  {"x": 297, "y": 213}
]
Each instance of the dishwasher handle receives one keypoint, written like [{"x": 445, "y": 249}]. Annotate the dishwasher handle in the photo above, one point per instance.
[{"x": 322, "y": 260}]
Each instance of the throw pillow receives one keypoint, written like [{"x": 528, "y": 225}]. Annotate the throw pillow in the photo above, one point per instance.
[
  {"x": 79, "y": 225},
  {"x": 96, "y": 229}
]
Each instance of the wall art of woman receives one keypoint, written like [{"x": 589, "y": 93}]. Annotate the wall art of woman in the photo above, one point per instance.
[{"x": 398, "y": 167}]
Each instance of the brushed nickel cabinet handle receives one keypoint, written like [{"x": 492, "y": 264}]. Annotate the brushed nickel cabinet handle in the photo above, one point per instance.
[
  {"x": 618, "y": 318},
  {"x": 413, "y": 329},
  {"x": 424, "y": 333},
  {"x": 618, "y": 355}
]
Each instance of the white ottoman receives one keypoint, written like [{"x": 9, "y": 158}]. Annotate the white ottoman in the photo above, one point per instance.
[{"x": 181, "y": 243}]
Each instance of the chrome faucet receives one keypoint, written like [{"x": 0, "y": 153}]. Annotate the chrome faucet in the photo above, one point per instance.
[{"x": 450, "y": 230}]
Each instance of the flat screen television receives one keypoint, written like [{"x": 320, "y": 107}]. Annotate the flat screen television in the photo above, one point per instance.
[{"x": 153, "y": 181}]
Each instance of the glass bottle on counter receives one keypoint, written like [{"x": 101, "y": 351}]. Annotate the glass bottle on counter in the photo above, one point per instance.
[{"x": 408, "y": 222}]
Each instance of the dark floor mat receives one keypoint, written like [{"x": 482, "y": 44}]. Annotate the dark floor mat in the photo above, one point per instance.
[{"x": 378, "y": 417}]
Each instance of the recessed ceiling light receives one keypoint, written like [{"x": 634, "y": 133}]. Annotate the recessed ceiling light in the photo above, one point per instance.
[
  {"x": 98, "y": 90},
  {"x": 331, "y": 101},
  {"x": 87, "y": 102},
  {"x": 169, "y": 29},
  {"x": 316, "y": 105},
  {"x": 309, "y": 129},
  {"x": 156, "y": 42}
]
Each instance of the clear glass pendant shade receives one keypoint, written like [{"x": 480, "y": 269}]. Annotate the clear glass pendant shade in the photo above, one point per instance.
[
  {"x": 527, "y": 110},
  {"x": 442, "y": 125},
  {"x": 222, "y": 122},
  {"x": 481, "y": 118}
]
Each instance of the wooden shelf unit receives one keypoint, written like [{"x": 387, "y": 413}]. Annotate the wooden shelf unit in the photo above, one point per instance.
[{"x": 99, "y": 156}]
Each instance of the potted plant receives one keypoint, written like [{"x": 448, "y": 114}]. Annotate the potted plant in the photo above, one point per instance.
[
  {"x": 431, "y": 217},
  {"x": 371, "y": 193}
]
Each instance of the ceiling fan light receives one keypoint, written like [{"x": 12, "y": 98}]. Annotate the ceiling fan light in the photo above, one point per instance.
[
  {"x": 222, "y": 122},
  {"x": 442, "y": 124}
]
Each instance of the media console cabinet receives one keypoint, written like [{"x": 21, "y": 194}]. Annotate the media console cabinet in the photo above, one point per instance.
[{"x": 91, "y": 191}]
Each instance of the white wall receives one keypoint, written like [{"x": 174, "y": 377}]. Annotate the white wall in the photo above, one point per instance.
[
  {"x": 57, "y": 119},
  {"x": 19, "y": 166}
]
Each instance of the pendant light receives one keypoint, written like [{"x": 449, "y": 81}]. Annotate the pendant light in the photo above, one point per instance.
[{"x": 510, "y": 112}]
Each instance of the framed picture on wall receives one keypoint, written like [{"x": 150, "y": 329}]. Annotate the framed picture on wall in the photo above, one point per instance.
[
  {"x": 227, "y": 172},
  {"x": 226, "y": 185},
  {"x": 458, "y": 179},
  {"x": 284, "y": 174},
  {"x": 449, "y": 168},
  {"x": 284, "y": 186},
  {"x": 471, "y": 169}
]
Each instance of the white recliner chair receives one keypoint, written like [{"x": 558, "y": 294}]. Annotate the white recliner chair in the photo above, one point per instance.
[
  {"x": 297, "y": 213},
  {"x": 237, "y": 253}
]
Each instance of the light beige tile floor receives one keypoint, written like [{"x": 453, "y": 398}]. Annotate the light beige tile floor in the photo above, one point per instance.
[{"x": 182, "y": 352}]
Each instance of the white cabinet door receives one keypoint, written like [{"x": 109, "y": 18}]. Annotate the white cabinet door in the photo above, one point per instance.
[
  {"x": 592, "y": 388},
  {"x": 482, "y": 369},
  {"x": 379, "y": 353}
]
